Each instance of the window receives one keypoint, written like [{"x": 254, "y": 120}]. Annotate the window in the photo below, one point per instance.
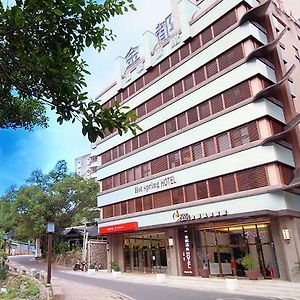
[
  {"x": 115, "y": 152},
  {"x": 137, "y": 173},
  {"x": 190, "y": 194},
  {"x": 147, "y": 202},
  {"x": 141, "y": 110},
  {"x": 200, "y": 75},
  {"x": 223, "y": 142},
  {"x": 128, "y": 146},
  {"x": 188, "y": 82},
  {"x": 159, "y": 165},
  {"x": 143, "y": 139},
  {"x": 116, "y": 180},
  {"x": 167, "y": 95},
  {"x": 130, "y": 175},
  {"x": 178, "y": 89},
  {"x": 177, "y": 195},
  {"x": 240, "y": 136},
  {"x": 170, "y": 126},
  {"x": 192, "y": 115},
  {"x": 146, "y": 169},
  {"x": 174, "y": 159},
  {"x": 122, "y": 177},
  {"x": 211, "y": 68},
  {"x": 181, "y": 120},
  {"x": 135, "y": 143},
  {"x": 209, "y": 147},
  {"x": 201, "y": 189},
  {"x": 186, "y": 155},
  {"x": 154, "y": 103},
  {"x": 204, "y": 110},
  {"x": 185, "y": 51},
  {"x": 121, "y": 150},
  {"x": 197, "y": 151}
]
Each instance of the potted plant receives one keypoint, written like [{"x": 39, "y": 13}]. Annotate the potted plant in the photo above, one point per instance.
[
  {"x": 115, "y": 269},
  {"x": 249, "y": 263},
  {"x": 204, "y": 266},
  {"x": 91, "y": 268}
]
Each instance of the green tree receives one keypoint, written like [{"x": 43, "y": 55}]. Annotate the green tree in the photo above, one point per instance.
[
  {"x": 40, "y": 64},
  {"x": 64, "y": 200}
]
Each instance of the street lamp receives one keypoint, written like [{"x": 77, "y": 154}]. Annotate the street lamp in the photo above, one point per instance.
[{"x": 50, "y": 231}]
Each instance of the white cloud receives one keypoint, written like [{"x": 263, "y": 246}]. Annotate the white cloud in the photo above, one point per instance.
[
  {"x": 129, "y": 29},
  {"x": 42, "y": 148}
]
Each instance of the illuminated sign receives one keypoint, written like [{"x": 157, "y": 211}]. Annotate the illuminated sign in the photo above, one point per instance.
[
  {"x": 131, "y": 226},
  {"x": 181, "y": 217}
]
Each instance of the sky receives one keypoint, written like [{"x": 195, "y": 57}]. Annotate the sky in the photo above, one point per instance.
[{"x": 21, "y": 151}]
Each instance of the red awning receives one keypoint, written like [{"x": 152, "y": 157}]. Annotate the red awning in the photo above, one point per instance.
[{"x": 131, "y": 226}]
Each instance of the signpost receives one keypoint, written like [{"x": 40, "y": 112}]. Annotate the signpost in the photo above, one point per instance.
[{"x": 50, "y": 230}]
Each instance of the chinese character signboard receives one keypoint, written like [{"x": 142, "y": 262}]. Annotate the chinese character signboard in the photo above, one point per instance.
[
  {"x": 132, "y": 56},
  {"x": 185, "y": 239},
  {"x": 164, "y": 29}
]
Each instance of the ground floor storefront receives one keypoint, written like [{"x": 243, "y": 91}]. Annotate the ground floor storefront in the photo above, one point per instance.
[{"x": 211, "y": 246}]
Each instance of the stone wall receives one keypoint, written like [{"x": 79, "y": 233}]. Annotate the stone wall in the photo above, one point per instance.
[{"x": 97, "y": 254}]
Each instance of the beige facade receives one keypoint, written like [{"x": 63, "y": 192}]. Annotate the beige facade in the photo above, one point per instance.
[{"x": 213, "y": 176}]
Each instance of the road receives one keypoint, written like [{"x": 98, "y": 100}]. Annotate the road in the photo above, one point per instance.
[{"x": 136, "y": 291}]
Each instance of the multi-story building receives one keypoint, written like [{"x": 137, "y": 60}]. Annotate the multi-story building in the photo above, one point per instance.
[
  {"x": 214, "y": 173},
  {"x": 86, "y": 166}
]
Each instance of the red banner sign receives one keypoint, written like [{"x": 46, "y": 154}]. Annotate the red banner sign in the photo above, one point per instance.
[{"x": 131, "y": 226}]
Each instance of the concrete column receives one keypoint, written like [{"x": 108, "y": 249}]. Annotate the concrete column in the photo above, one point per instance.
[
  {"x": 172, "y": 252},
  {"x": 290, "y": 248}
]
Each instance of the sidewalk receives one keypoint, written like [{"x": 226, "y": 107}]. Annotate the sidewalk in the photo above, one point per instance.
[
  {"x": 276, "y": 288},
  {"x": 78, "y": 291}
]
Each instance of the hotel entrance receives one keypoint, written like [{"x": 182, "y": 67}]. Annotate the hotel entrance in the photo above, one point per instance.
[
  {"x": 145, "y": 253},
  {"x": 219, "y": 249}
]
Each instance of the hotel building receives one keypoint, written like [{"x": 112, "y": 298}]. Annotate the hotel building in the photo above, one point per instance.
[{"x": 214, "y": 175}]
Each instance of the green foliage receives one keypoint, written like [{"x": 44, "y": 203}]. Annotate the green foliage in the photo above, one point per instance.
[
  {"x": 57, "y": 196},
  {"x": 115, "y": 266},
  {"x": 297, "y": 265},
  {"x": 248, "y": 262},
  {"x": 92, "y": 266},
  {"x": 61, "y": 247},
  {"x": 20, "y": 288},
  {"x": 3, "y": 272},
  {"x": 40, "y": 63}
]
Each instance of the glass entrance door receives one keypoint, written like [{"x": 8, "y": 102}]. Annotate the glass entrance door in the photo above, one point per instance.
[
  {"x": 219, "y": 249},
  {"x": 145, "y": 253}
]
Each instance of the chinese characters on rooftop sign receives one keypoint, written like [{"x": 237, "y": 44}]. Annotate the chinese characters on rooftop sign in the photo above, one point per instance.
[
  {"x": 132, "y": 56},
  {"x": 164, "y": 29}
]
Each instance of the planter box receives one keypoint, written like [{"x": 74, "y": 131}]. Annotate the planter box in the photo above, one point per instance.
[
  {"x": 231, "y": 284},
  {"x": 160, "y": 278},
  {"x": 92, "y": 271},
  {"x": 252, "y": 274},
  {"x": 204, "y": 273},
  {"x": 116, "y": 274}
]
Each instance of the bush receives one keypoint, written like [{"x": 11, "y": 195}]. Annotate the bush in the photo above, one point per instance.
[
  {"x": 248, "y": 262},
  {"x": 3, "y": 272},
  {"x": 115, "y": 266},
  {"x": 61, "y": 247}
]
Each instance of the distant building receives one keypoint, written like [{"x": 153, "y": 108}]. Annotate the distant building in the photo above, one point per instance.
[
  {"x": 214, "y": 175},
  {"x": 86, "y": 166}
]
